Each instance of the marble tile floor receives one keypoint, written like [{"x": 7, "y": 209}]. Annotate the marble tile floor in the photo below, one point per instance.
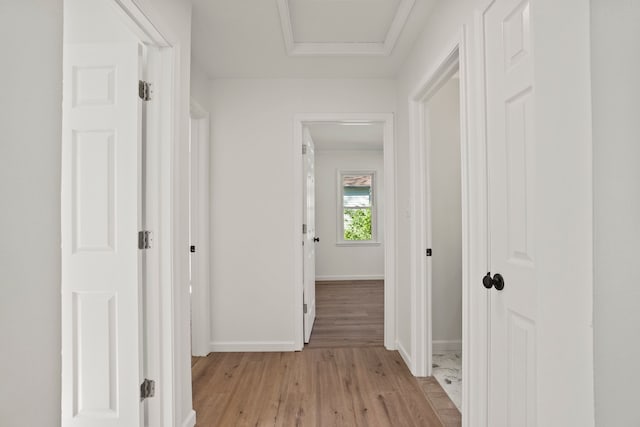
[{"x": 447, "y": 369}]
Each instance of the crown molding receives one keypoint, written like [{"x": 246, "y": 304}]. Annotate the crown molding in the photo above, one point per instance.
[{"x": 343, "y": 48}]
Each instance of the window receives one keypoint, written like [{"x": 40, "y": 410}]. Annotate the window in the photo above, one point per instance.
[{"x": 356, "y": 207}]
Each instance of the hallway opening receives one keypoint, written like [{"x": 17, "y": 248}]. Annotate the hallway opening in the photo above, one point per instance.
[
  {"x": 355, "y": 161},
  {"x": 444, "y": 225}
]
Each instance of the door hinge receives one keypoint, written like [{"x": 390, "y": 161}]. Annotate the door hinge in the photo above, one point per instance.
[
  {"x": 304, "y": 149},
  {"x": 429, "y": 252},
  {"x": 304, "y": 308},
  {"x": 144, "y": 90},
  {"x": 304, "y": 228},
  {"x": 144, "y": 239},
  {"x": 192, "y": 249},
  {"x": 147, "y": 389}
]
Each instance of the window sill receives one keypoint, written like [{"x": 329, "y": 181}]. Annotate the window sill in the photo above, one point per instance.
[{"x": 358, "y": 243}]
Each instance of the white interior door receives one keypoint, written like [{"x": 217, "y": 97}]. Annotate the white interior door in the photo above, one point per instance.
[
  {"x": 510, "y": 124},
  {"x": 101, "y": 189},
  {"x": 309, "y": 236}
]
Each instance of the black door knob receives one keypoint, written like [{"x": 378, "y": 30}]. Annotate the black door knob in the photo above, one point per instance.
[
  {"x": 316, "y": 239},
  {"x": 487, "y": 281},
  {"x": 496, "y": 282}
]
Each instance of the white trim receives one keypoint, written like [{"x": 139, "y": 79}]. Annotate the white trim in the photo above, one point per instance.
[
  {"x": 140, "y": 23},
  {"x": 190, "y": 420},
  {"x": 200, "y": 292},
  {"x": 344, "y": 48},
  {"x": 446, "y": 346},
  {"x": 474, "y": 229},
  {"x": 421, "y": 236},
  {"x": 166, "y": 239},
  {"x": 167, "y": 139},
  {"x": 350, "y": 277},
  {"x": 299, "y": 121},
  {"x": 251, "y": 346},
  {"x": 405, "y": 356},
  {"x": 358, "y": 243}
]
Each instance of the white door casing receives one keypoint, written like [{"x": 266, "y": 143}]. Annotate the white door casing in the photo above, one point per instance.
[
  {"x": 101, "y": 337},
  {"x": 309, "y": 219},
  {"x": 299, "y": 122},
  {"x": 510, "y": 144}
]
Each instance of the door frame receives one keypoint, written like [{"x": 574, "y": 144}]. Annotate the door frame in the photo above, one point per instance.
[
  {"x": 474, "y": 233},
  {"x": 164, "y": 219},
  {"x": 387, "y": 119},
  {"x": 424, "y": 221},
  {"x": 200, "y": 273}
]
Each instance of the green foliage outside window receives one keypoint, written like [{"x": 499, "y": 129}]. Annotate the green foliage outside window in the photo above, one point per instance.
[{"x": 357, "y": 224}]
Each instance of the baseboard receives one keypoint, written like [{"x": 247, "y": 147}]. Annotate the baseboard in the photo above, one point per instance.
[
  {"x": 405, "y": 356},
  {"x": 251, "y": 346},
  {"x": 446, "y": 345},
  {"x": 190, "y": 421},
  {"x": 350, "y": 277}
]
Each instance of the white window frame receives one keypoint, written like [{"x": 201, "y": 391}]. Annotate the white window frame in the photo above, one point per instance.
[{"x": 340, "y": 240}]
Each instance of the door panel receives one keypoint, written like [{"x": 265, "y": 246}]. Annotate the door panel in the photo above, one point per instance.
[
  {"x": 511, "y": 163},
  {"x": 100, "y": 220},
  {"x": 309, "y": 218}
]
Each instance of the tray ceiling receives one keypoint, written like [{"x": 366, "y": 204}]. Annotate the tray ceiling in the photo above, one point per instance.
[
  {"x": 342, "y": 27},
  {"x": 321, "y": 38}
]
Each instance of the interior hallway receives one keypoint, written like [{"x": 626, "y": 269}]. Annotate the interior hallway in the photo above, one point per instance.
[
  {"x": 349, "y": 313},
  {"x": 343, "y": 377}
]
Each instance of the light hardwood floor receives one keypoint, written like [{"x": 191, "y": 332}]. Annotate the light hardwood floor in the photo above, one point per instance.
[
  {"x": 348, "y": 314},
  {"x": 348, "y": 380},
  {"x": 362, "y": 386}
]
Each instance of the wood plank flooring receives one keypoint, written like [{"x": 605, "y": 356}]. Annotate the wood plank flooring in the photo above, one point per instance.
[
  {"x": 439, "y": 400},
  {"x": 362, "y": 386},
  {"x": 348, "y": 314},
  {"x": 344, "y": 377}
]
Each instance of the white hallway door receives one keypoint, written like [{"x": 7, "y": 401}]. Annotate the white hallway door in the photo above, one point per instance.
[
  {"x": 510, "y": 143},
  {"x": 309, "y": 234},
  {"x": 101, "y": 208}
]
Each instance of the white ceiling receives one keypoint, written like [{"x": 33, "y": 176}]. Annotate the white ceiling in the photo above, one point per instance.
[
  {"x": 311, "y": 18},
  {"x": 246, "y": 38},
  {"x": 347, "y": 137}
]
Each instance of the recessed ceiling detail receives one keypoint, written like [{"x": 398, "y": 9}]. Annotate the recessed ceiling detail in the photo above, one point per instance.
[{"x": 342, "y": 27}]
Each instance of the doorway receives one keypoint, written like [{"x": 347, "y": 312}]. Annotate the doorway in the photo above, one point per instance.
[
  {"x": 304, "y": 126},
  {"x": 444, "y": 234},
  {"x": 348, "y": 234},
  {"x": 473, "y": 216},
  {"x": 199, "y": 272}
]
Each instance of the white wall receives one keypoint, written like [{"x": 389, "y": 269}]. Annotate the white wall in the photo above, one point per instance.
[
  {"x": 615, "y": 59},
  {"x": 563, "y": 191},
  {"x": 443, "y": 117},
  {"x": 335, "y": 262},
  {"x": 252, "y": 293},
  {"x": 94, "y": 21},
  {"x": 200, "y": 86},
  {"x": 30, "y": 119},
  {"x": 30, "y": 218}
]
